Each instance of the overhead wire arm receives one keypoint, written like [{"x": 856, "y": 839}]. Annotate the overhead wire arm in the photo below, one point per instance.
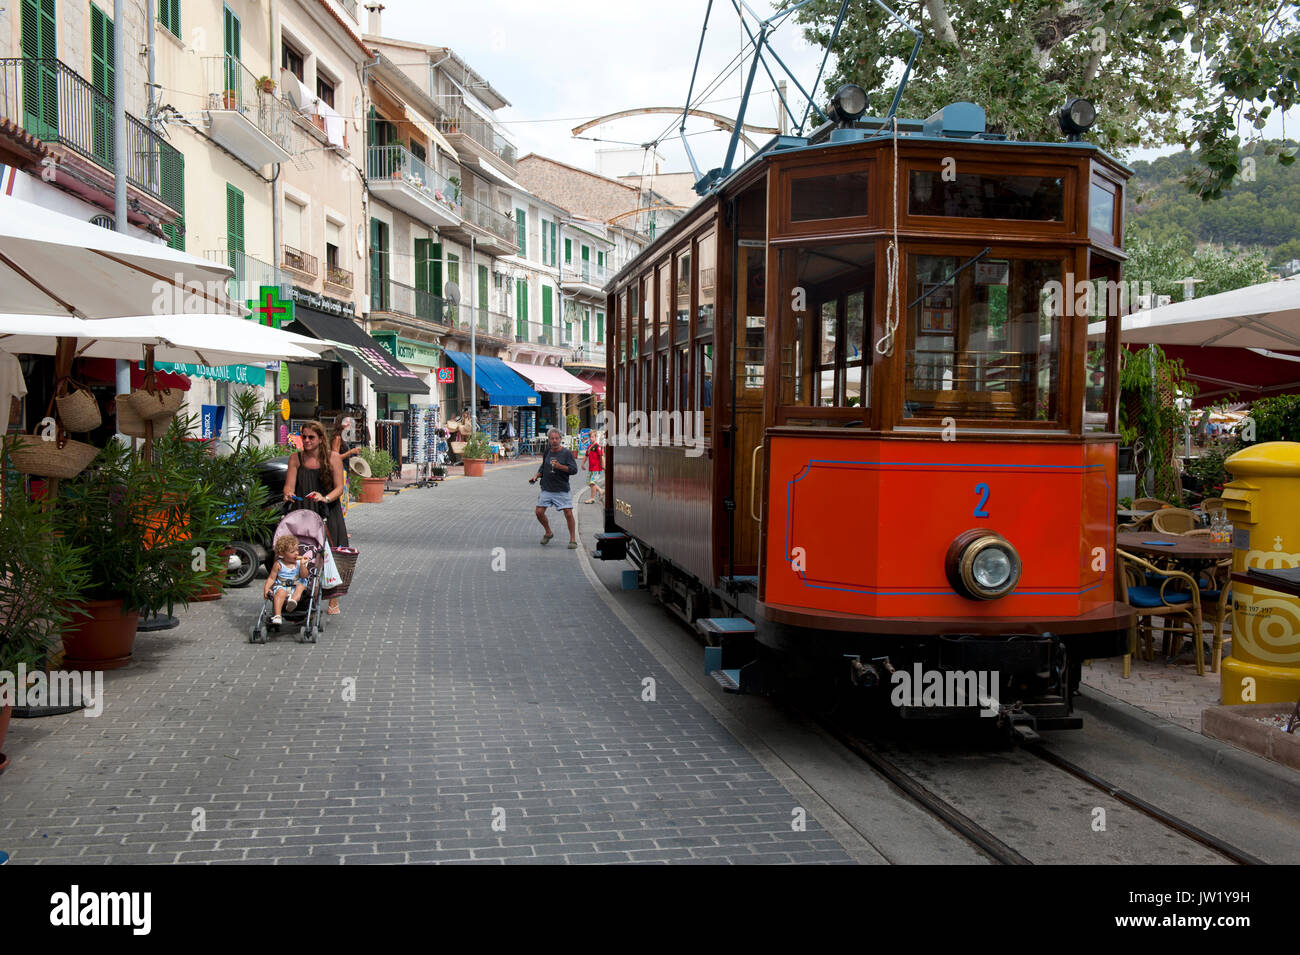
[{"x": 695, "y": 168}]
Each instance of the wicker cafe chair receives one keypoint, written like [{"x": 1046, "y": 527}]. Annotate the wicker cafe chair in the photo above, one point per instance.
[
  {"x": 1174, "y": 520},
  {"x": 1167, "y": 601},
  {"x": 1212, "y": 504},
  {"x": 1149, "y": 504},
  {"x": 1216, "y": 598}
]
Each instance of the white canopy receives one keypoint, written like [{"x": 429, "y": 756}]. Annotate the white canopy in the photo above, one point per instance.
[
  {"x": 181, "y": 339},
  {"x": 1259, "y": 316},
  {"x": 50, "y": 262}
]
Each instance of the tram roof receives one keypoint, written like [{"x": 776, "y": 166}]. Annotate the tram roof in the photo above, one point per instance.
[{"x": 955, "y": 123}]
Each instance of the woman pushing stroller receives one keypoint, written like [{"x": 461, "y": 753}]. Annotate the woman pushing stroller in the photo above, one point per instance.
[{"x": 316, "y": 477}]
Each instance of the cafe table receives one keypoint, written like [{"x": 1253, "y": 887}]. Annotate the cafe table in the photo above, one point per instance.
[
  {"x": 1197, "y": 552},
  {"x": 1282, "y": 582}
]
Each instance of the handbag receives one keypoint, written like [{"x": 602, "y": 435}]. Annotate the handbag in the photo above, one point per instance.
[{"x": 330, "y": 576}]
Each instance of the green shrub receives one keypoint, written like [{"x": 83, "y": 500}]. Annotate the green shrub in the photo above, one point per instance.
[{"x": 1277, "y": 418}]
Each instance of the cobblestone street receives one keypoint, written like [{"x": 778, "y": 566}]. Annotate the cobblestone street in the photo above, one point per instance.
[{"x": 498, "y": 716}]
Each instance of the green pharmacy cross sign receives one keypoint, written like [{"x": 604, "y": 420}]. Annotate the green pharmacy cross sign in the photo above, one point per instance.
[{"x": 269, "y": 309}]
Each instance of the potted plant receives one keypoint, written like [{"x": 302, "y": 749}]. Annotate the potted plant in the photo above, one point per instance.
[
  {"x": 265, "y": 84},
  {"x": 476, "y": 453},
  {"x": 455, "y": 188},
  {"x": 41, "y": 575},
  {"x": 142, "y": 526},
  {"x": 381, "y": 465}
]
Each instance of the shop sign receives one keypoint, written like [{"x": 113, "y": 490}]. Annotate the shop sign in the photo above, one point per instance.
[
  {"x": 269, "y": 309},
  {"x": 408, "y": 351},
  {"x": 447, "y": 376},
  {"x": 239, "y": 374},
  {"x": 284, "y": 377},
  {"x": 212, "y": 420},
  {"x": 322, "y": 303}
]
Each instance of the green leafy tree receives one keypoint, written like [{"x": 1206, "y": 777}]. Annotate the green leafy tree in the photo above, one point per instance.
[
  {"x": 1149, "y": 65},
  {"x": 1164, "y": 263}
]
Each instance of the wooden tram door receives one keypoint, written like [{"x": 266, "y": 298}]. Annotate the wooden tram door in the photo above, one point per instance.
[{"x": 750, "y": 351}]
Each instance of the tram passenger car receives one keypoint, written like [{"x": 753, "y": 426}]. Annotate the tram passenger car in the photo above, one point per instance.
[{"x": 800, "y": 465}]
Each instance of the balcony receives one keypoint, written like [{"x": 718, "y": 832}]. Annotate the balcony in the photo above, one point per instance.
[
  {"x": 465, "y": 128},
  {"x": 494, "y": 231},
  {"x": 407, "y": 183},
  {"x": 488, "y": 324},
  {"x": 58, "y": 106},
  {"x": 586, "y": 279},
  {"x": 250, "y": 274},
  {"x": 250, "y": 122},
  {"x": 402, "y": 300},
  {"x": 339, "y": 278},
  {"x": 300, "y": 262}
]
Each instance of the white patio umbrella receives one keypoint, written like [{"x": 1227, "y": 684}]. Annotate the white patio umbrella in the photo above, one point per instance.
[
  {"x": 180, "y": 339},
  {"x": 52, "y": 264},
  {"x": 1265, "y": 316}
]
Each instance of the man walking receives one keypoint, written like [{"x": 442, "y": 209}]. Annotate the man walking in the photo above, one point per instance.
[{"x": 557, "y": 464}]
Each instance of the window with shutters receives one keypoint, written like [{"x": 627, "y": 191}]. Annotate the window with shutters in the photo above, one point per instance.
[
  {"x": 568, "y": 251},
  {"x": 378, "y": 265},
  {"x": 232, "y": 47},
  {"x": 169, "y": 15},
  {"x": 101, "y": 79},
  {"x": 521, "y": 225},
  {"x": 548, "y": 318},
  {"x": 481, "y": 302},
  {"x": 600, "y": 328},
  {"x": 171, "y": 166},
  {"x": 235, "y": 231},
  {"x": 521, "y": 309},
  {"x": 40, "y": 71}
]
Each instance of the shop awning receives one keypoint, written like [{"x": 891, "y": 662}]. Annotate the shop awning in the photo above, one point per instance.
[
  {"x": 359, "y": 350},
  {"x": 491, "y": 171},
  {"x": 551, "y": 378},
  {"x": 597, "y": 381},
  {"x": 498, "y": 381}
]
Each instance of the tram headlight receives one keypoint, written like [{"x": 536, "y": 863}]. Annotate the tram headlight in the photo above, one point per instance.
[
  {"x": 848, "y": 103},
  {"x": 982, "y": 565},
  {"x": 1076, "y": 118}
]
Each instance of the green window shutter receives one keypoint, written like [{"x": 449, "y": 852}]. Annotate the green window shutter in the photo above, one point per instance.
[
  {"x": 40, "y": 78},
  {"x": 600, "y": 328},
  {"x": 423, "y": 265},
  {"x": 547, "y": 316},
  {"x": 378, "y": 265},
  {"x": 521, "y": 224},
  {"x": 232, "y": 46},
  {"x": 586, "y": 325},
  {"x": 235, "y": 231},
  {"x": 546, "y": 231},
  {"x": 568, "y": 251},
  {"x": 169, "y": 15},
  {"x": 171, "y": 168},
  {"x": 102, "y": 80},
  {"x": 453, "y": 267},
  {"x": 555, "y": 244},
  {"x": 482, "y": 301}
]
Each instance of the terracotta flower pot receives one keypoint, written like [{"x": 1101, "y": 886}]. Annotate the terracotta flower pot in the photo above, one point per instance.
[
  {"x": 372, "y": 490},
  {"x": 474, "y": 467},
  {"x": 102, "y": 641},
  {"x": 214, "y": 590}
]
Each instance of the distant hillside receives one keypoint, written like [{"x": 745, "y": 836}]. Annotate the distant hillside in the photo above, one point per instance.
[{"x": 1264, "y": 213}]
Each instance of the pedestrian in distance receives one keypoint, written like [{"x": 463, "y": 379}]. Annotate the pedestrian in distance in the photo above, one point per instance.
[
  {"x": 595, "y": 470},
  {"x": 558, "y": 463}
]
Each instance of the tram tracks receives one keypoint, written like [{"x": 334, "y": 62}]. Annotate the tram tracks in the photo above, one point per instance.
[{"x": 1007, "y": 848}]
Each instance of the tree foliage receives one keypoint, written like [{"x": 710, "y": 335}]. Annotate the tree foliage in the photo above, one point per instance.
[
  {"x": 1165, "y": 262},
  {"x": 1148, "y": 65}
]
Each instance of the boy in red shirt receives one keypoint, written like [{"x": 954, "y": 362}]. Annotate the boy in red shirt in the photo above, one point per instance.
[{"x": 595, "y": 470}]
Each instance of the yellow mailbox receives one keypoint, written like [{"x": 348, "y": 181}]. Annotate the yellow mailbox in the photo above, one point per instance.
[{"x": 1263, "y": 503}]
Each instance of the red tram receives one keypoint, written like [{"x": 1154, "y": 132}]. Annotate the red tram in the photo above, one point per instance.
[{"x": 854, "y": 413}]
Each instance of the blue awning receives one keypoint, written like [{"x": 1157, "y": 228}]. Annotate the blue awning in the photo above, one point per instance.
[{"x": 499, "y": 382}]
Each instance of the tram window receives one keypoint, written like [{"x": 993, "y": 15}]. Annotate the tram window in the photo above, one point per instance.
[
  {"x": 622, "y": 326},
  {"x": 682, "y": 313},
  {"x": 1101, "y": 210},
  {"x": 984, "y": 343},
  {"x": 665, "y": 304},
  {"x": 838, "y": 196},
  {"x": 987, "y": 196},
  {"x": 704, "y": 380},
  {"x": 704, "y": 284},
  {"x": 633, "y": 319},
  {"x": 682, "y": 401},
  {"x": 647, "y": 311},
  {"x": 824, "y": 298},
  {"x": 752, "y": 353}
]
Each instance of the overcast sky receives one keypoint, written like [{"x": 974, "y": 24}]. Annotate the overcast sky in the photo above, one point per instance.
[{"x": 561, "y": 64}]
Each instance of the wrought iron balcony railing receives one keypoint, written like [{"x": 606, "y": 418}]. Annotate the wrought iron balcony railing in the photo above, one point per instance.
[
  {"x": 291, "y": 258},
  {"x": 589, "y": 272},
  {"x": 56, "y": 104},
  {"x": 460, "y": 121},
  {"x": 402, "y": 299},
  {"x": 394, "y": 162},
  {"x": 338, "y": 277},
  {"x": 250, "y": 273},
  {"x": 485, "y": 217},
  {"x": 232, "y": 86}
]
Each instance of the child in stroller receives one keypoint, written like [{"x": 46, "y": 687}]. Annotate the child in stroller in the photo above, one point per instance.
[
  {"x": 305, "y": 609},
  {"x": 287, "y": 578}
]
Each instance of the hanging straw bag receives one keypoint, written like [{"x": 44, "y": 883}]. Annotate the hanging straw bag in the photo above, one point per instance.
[
  {"x": 129, "y": 421},
  {"x": 78, "y": 409},
  {"x": 152, "y": 403},
  {"x": 60, "y": 458},
  {"x": 345, "y": 564}
]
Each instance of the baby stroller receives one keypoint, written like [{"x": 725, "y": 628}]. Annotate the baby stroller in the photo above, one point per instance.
[{"x": 309, "y": 616}]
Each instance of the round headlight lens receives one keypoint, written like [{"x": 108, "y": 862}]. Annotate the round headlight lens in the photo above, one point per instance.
[
  {"x": 850, "y": 101},
  {"x": 991, "y": 568}
]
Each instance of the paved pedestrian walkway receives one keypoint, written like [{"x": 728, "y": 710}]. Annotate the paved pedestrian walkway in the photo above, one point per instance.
[
  {"x": 475, "y": 702},
  {"x": 1169, "y": 690}
]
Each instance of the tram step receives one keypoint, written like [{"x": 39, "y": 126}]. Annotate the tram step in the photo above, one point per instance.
[
  {"x": 727, "y": 625},
  {"x": 729, "y": 680}
]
